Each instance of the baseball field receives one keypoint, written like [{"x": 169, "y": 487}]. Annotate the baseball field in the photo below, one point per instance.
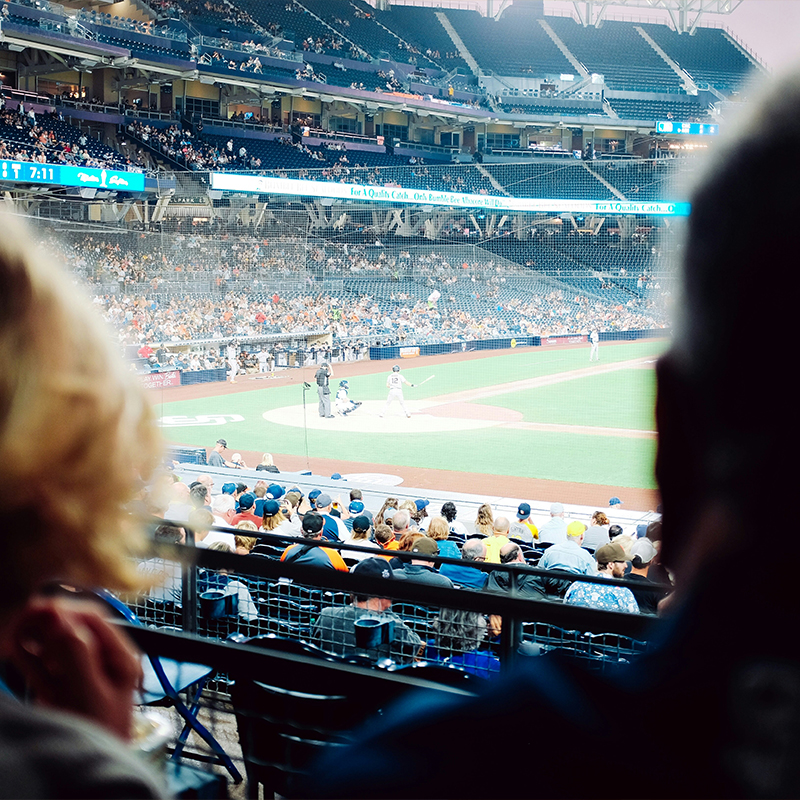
[{"x": 534, "y": 422}]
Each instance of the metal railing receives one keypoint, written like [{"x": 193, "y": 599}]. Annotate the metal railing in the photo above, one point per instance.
[
  {"x": 294, "y": 601},
  {"x": 240, "y": 47},
  {"x": 218, "y": 122}
]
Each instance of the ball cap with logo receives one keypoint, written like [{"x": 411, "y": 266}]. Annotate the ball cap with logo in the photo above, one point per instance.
[
  {"x": 313, "y": 523},
  {"x": 373, "y": 568}
]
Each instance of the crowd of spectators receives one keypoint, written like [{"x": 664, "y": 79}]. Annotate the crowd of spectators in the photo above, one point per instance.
[
  {"x": 511, "y": 542},
  {"x": 250, "y": 64},
  {"x": 182, "y": 146},
  {"x": 135, "y": 278},
  {"x": 28, "y": 136},
  {"x": 222, "y": 11}
]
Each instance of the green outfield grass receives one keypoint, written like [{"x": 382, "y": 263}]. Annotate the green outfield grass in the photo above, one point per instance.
[{"x": 621, "y": 399}]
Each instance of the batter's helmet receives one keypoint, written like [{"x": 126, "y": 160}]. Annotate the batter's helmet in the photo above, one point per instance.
[
  {"x": 395, "y": 368},
  {"x": 344, "y": 384}
]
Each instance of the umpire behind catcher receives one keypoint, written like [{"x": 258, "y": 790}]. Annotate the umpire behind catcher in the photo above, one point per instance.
[{"x": 323, "y": 377}]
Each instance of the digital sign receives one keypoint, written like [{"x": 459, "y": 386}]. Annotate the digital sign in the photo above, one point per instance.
[
  {"x": 261, "y": 184},
  {"x": 64, "y": 175},
  {"x": 687, "y": 128}
]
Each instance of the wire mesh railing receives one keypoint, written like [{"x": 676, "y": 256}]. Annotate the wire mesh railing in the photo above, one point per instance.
[{"x": 219, "y": 595}]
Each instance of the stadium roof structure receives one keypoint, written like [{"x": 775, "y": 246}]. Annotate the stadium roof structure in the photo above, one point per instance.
[{"x": 685, "y": 14}]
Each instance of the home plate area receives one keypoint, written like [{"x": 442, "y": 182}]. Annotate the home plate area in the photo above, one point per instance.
[{"x": 425, "y": 417}]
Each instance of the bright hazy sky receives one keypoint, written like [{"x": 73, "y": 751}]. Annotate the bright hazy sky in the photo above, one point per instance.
[{"x": 769, "y": 28}]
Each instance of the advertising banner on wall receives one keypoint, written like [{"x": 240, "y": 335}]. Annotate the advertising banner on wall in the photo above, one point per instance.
[
  {"x": 264, "y": 184},
  {"x": 571, "y": 339},
  {"x": 161, "y": 380}
]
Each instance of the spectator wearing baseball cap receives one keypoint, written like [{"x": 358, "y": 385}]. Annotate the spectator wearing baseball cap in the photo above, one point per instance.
[
  {"x": 335, "y": 530},
  {"x": 275, "y": 491},
  {"x": 355, "y": 508},
  {"x": 423, "y": 570},
  {"x": 241, "y": 488},
  {"x": 642, "y": 553},
  {"x": 419, "y": 514},
  {"x": 611, "y": 563},
  {"x": 313, "y": 555},
  {"x": 335, "y": 628},
  {"x": 522, "y": 528},
  {"x": 215, "y": 457},
  {"x": 272, "y": 491},
  {"x": 246, "y": 508},
  {"x": 271, "y": 516},
  {"x": 357, "y": 494},
  {"x": 554, "y": 531},
  {"x": 360, "y": 535},
  {"x": 617, "y": 535}
]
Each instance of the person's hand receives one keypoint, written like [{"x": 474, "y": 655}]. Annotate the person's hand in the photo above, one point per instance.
[
  {"x": 304, "y": 507},
  {"x": 75, "y": 660}
]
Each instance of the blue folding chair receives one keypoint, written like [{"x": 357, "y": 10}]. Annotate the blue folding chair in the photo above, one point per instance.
[{"x": 165, "y": 679}]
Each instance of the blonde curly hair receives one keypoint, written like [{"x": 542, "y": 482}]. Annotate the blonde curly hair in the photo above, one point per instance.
[{"x": 77, "y": 434}]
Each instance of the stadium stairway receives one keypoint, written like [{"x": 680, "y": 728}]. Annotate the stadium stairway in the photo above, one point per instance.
[
  {"x": 458, "y": 42},
  {"x": 689, "y": 86},
  {"x": 605, "y": 183},
  {"x": 489, "y": 177},
  {"x": 579, "y": 68}
]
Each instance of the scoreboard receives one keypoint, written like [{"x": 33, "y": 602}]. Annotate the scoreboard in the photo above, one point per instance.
[
  {"x": 687, "y": 128},
  {"x": 67, "y": 175}
]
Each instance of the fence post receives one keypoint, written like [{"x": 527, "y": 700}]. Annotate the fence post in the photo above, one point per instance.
[
  {"x": 189, "y": 590},
  {"x": 509, "y": 635}
]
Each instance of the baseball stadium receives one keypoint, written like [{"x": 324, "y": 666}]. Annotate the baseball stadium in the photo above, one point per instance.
[{"x": 353, "y": 311}]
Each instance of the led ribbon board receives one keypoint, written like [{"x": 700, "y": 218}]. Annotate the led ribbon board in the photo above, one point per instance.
[
  {"x": 63, "y": 175},
  {"x": 687, "y": 128},
  {"x": 261, "y": 184}
]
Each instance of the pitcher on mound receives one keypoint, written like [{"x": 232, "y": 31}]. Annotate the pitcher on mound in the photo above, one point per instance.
[{"x": 395, "y": 383}]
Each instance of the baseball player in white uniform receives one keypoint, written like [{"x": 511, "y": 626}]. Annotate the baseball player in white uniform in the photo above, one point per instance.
[
  {"x": 395, "y": 383},
  {"x": 233, "y": 364},
  {"x": 594, "y": 340}
]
